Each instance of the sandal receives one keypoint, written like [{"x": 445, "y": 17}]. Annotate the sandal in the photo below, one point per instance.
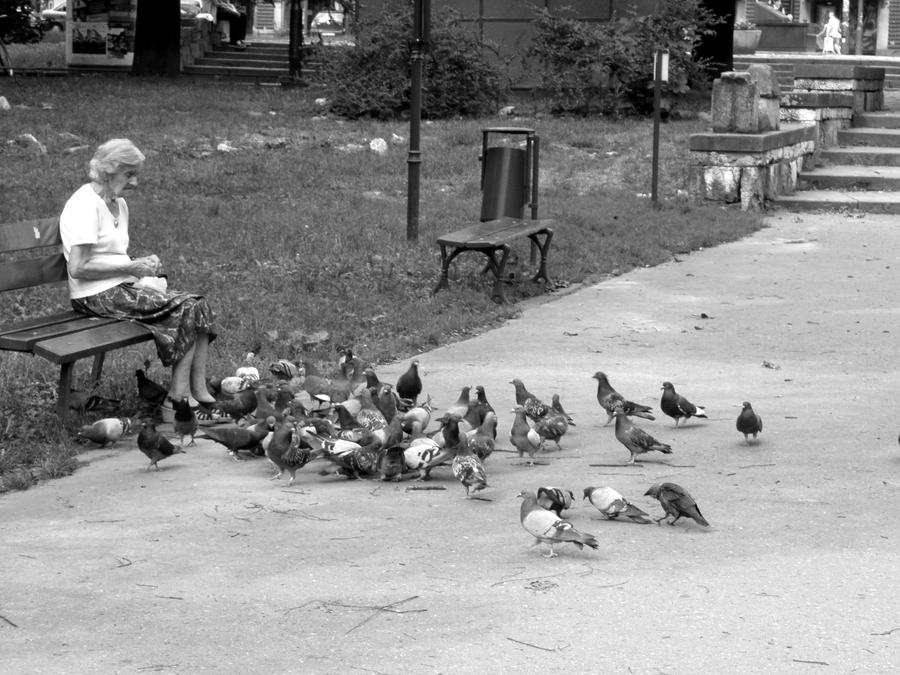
[{"x": 207, "y": 416}]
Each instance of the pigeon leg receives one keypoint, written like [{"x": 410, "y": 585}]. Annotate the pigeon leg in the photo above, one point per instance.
[
  {"x": 633, "y": 457},
  {"x": 675, "y": 521},
  {"x": 277, "y": 475},
  {"x": 609, "y": 419},
  {"x": 551, "y": 554}
]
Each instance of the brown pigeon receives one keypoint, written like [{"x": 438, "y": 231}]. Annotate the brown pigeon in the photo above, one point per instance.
[
  {"x": 391, "y": 463},
  {"x": 554, "y": 499},
  {"x": 557, "y": 407},
  {"x": 535, "y": 408},
  {"x": 636, "y": 439},
  {"x": 469, "y": 471},
  {"x": 286, "y": 451},
  {"x": 677, "y": 406},
  {"x": 154, "y": 444},
  {"x": 610, "y": 399},
  {"x": 612, "y": 505},
  {"x": 748, "y": 422},
  {"x": 185, "y": 423},
  {"x": 481, "y": 440},
  {"x": 153, "y": 393},
  {"x": 545, "y": 526},
  {"x": 552, "y": 427},
  {"x": 676, "y": 502},
  {"x": 409, "y": 384}
]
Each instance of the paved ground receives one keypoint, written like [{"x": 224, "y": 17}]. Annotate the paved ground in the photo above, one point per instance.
[{"x": 207, "y": 566}]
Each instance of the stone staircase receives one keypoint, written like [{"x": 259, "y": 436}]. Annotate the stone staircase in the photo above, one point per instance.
[
  {"x": 259, "y": 63},
  {"x": 862, "y": 172},
  {"x": 782, "y": 65}
]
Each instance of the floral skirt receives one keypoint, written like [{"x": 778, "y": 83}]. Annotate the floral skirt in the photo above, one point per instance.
[{"x": 175, "y": 317}]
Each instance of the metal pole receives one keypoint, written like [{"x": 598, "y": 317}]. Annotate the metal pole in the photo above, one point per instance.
[
  {"x": 414, "y": 160},
  {"x": 295, "y": 56},
  {"x": 859, "y": 27},
  {"x": 657, "y": 85}
]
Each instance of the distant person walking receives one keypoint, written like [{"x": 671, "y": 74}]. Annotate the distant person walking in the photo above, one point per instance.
[{"x": 831, "y": 33}]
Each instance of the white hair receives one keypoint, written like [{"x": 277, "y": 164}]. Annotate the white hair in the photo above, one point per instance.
[{"x": 111, "y": 157}]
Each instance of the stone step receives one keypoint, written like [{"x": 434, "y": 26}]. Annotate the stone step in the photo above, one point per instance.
[
  {"x": 221, "y": 58},
  {"x": 863, "y": 155},
  {"x": 885, "y": 119},
  {"x": 238, "y": 72},
  {"x": 849, "y": 178},
  {"x": 870, "y": 136},
  {"x": 870, "y": 201}
]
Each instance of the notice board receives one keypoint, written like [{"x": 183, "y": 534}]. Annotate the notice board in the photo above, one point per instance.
[{"x": 100, "y": 33}]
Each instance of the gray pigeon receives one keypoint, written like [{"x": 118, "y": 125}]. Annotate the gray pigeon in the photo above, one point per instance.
[
  {"x": 549, "y": 528},
  {"x": 676, "y": 502},
  {"x": 609, "y": 399},
  {"x": 677, "y": 406},
  {"x": 612, "y": 505},
  {"x": 636, "y": 439},
  {"x": 748, "y": 422}
]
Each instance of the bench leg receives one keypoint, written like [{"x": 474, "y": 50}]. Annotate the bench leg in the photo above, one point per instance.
[
  {"x": 446, "y": 259},
  {"x": 544, "y": 248},
  {"x": 97, "y": 369},
  {"x": 65, "y": 388},
  {"x": 499, "y": 268}
]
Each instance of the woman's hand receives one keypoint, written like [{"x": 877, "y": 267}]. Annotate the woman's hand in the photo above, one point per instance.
[{"x": 148, "y": 266}]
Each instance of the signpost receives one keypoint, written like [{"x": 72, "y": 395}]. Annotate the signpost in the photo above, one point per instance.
[
  {"x": 660, "y": 75},
  {"x": 421, "y": 21}
]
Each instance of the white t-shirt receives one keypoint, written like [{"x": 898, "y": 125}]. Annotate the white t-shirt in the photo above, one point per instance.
[{"x": 86, "y": 219}]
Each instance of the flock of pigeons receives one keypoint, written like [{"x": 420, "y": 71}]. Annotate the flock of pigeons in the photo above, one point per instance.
[{"x": 365, "y": 428}]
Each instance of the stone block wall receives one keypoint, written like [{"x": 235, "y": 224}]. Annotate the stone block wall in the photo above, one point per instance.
[
  {"x": 197, "y": 38},
  {"x": 864, "y": 83},
  {"x": 828, "y": 111},
  {"x": 749, "y": 168}
]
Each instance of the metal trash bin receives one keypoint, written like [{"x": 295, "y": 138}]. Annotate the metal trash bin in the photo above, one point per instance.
[{"x": 509, "y": 175}]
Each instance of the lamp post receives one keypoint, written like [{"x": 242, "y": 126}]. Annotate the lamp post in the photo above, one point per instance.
[
  {"x": 660, "y": 75},
  {"x": 421, "y": 21}
]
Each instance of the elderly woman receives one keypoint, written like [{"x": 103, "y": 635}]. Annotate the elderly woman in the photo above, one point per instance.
[{"x": 105, "y": 281}]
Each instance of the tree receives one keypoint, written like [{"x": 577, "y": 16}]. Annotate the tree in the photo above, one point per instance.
[
  {"x": 18, "y": 22},
  {"x": 717, "y": 48},
  {"x": 157, "y": 38}
]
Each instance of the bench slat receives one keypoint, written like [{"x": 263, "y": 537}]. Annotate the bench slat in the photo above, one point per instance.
[
  {"x": 68, "y": 348},
  {"x": 23, "y": 340},
  {"x": 18, "y": 274},
  {"x": 35, "y": 321},
  {"x": 493, "y": 233},
  {"x": 29, "y": 234}
]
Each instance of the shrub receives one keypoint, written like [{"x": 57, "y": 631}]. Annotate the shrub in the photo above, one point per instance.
[
  {"x": 608, "y": 67},
  {"x": 372, "y": 79},
  {"x": 18, "y": 22}
]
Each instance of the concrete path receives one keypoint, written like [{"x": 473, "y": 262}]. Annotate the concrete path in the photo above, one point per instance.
[{"x": 208, "y": 567}]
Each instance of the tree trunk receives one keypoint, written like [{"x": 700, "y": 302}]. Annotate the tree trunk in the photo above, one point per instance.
[
  {"x": 157, "y": 38},
  {"x": 718, "y": 46}
]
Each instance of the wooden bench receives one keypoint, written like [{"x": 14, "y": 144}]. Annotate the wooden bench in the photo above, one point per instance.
[
  {"x": 493, "y": 239},
  {"x": 65, "y": 337}
]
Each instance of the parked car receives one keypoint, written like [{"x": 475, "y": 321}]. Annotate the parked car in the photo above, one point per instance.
[
  {"x": 330, "y": 28},
  {"x": 54, "y": 18}
]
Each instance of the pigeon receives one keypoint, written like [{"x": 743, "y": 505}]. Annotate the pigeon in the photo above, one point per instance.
[
  {"x": 552, "y": 427},
  {"x": 677, "y": 406},
  {"x": 557, "y": 407},
  {"x": 469, "y": 471},
  {"x": 748, "y": 422},
  {"x": 369, "y": 416},
  {"x": 81, "y": 401},
  {"x": 676, "y": 502},
  {"x": 415, "y": 420},
  {"x": 610, "y": 399},
  {"x": 636, "y": 439},
  {"x": 286, "y": 451},
  {"x": 105, "y": 431},
  {"x": 523, "y": 437},
  {"x": 237, "y": 408},
  {"x": 409, "y": 384},
  {"x": 549, "y": 528},
  {"x": 481, "y": 440},
  {"x": 392, "y": 462},
  {"x": 185, "y": 423},
  {"x": 154, "y": 444},
  {"x": 479, "y": 408},
  {"x": 423, "y": 454},
  {"x": 148, "y": 390},
  {"x": 284, "y": 369},
  {"x": 555, "y": 499},
  {"x": 534, "y": 407},
  {"x": 461, "y": 406},
  {"x": 612, "y": 505},
  {"x": 386, "y": 401},
  {"x": 240, "y": 438},
  {"x": 353, "y": 460}
]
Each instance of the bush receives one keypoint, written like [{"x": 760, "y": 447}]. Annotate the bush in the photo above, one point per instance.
[
  {"x": 372, "y": 79},
  {"x": 18, "y": 22},
  {"x": 608, "y": 67}
]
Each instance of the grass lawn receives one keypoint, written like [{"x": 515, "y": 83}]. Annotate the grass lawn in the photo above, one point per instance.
[{"x": 291, "y": 226}]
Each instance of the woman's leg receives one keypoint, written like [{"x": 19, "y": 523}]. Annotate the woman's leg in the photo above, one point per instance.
[
  {"x": 181, "y": 383},
  {"x": 198, "y": 370}
]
